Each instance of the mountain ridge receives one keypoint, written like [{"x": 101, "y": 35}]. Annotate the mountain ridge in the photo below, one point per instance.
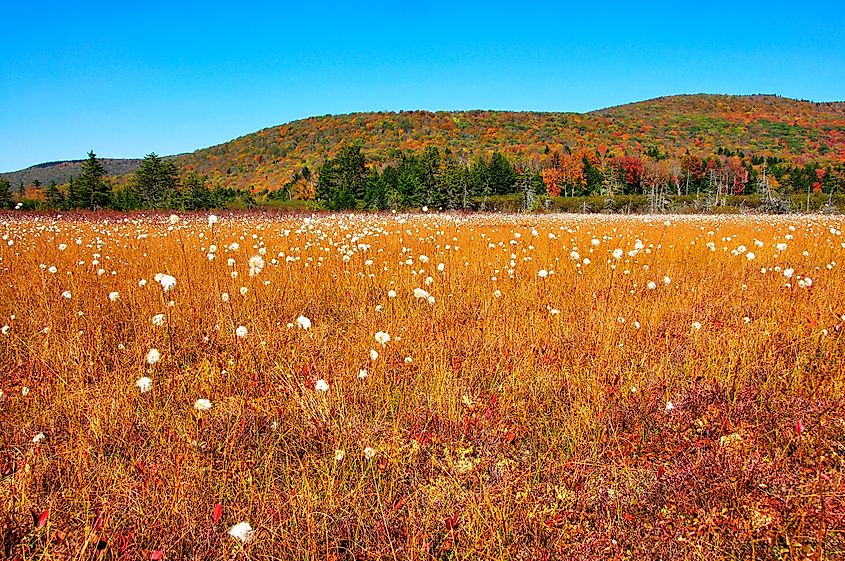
[{"x": 761, "y": 124}]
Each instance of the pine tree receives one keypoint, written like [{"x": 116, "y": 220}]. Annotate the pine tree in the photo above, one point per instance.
[
  {"x": 343, "y": 179},
  {"x": 5, "y": 193},
  {"x": 93, "y": 191},
  {"x": 155, "y": 182},
  {"x": 55, "y": 198},
  {"x": 197, "y": 195},
  {"x": 502, "y": 175}
]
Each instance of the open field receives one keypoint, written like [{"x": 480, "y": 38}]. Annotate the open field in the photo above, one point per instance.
[{"x": 553, "y": 387}]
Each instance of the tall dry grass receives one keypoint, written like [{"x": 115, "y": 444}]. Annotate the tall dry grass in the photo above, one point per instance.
[{"x": 585, "y": 414}]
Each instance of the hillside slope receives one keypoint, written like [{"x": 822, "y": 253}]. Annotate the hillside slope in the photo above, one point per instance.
[
  {"x": 760, "y": 124},
  {"x": 61, "y": 172},
  {"x": 798, "y": 131}
]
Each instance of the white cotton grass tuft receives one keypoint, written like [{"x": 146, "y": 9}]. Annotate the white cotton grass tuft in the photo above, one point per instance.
[
  {"x": 167, "y": 282},
  {"x": 114, "y": 296},
  {"x": 303, "y": 322},
  {"x": 153, "y": 356},
  {"x": 242, "y": 531},
  {"x": 241, "y": 331},
  {"x": 382, "y": 338},
  {"x": 67, "y": 295},
  {"x": 144, "y": 384},
  {"x": 419, "y": 293},
  {"x": 202, "y": 405},
  {"x": 339, "y": 455},
  {"x": 158, "y": 320},
  {"x": 321, "y": 385},
  {"x": 256, "y": 265},
  {"x": 212, "y": 219},
  {"x": 373, "y": 355},
  {"x": 362, "y": 373},
  {"x": 369, "y": 453}
]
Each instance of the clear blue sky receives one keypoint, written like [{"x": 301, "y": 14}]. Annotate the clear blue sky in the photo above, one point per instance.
[{"x": 129, "y": 78}]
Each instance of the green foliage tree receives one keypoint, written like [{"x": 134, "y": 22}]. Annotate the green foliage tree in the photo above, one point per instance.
[
  {"x": 155, "y": 182},
  {"x": 502, "y": 174},
  {"x": 55, "y": 198},
  {"x": 343, "y": 179},
  {"x": 5, "y": 193},
  {"x": 94, "y": 192},
  {"x": 196, "y": 195}
]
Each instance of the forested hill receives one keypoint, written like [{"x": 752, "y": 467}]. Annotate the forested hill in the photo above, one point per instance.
[
  {"x": 761, "y": 125},
  {"x": 61, "y": 172},
  {"x": 706, "y": 125}
]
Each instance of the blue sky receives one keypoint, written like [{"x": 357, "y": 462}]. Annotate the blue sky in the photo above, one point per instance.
[{"x": 128, "y": 78}]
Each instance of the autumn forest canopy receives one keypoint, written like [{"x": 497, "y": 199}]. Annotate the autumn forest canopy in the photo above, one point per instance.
[{"x": 699, "y": 151}]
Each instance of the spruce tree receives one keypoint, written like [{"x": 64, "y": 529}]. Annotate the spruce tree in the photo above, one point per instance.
[
  {"x": 93, "y": 191},
  {"x": 155, "y": 182},
  {"x": 55, "y": 198},
  {"x": 5, "y": 193}
]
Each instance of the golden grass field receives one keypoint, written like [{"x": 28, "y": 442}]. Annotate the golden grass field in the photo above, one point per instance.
[{"x": 672, "y": 388}]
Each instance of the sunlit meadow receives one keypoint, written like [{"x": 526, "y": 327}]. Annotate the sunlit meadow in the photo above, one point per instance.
[{"x": 421, "y": 387}]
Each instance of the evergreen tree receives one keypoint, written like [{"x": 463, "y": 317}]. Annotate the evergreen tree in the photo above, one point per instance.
[
  {"x": 502, "y": 175},
  {"x": 5, "y": 193},
  {"x": 94, "y": 191},
  {"x": 375, "y": 195},
  {"x": 155, "y": 182},
  {"x": 196, "y": 195},
  {"x": 75, "y": 198},
  {"x": 343, "y": 179},
  {"x": 55, "y": 198}
]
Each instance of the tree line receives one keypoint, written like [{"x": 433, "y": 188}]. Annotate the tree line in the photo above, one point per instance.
[
  {"x": 349, "y": 181},
  {"x": 428, "y": 178},
  {"x": 446, "y": 180},
  {"x": 155, "y": 185}
]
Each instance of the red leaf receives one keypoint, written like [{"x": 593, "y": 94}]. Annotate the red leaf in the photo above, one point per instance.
[
  {"x": 217, "y": 513},
  {"x": 42, "y": 520},
  {"x": 799, "y": 427},
  {"x": 157, "y": 555}
]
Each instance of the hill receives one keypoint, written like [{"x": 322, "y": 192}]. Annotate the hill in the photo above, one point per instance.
[
  {"x": 762, "y": 125},
  {"x": 61, "y": 172}
]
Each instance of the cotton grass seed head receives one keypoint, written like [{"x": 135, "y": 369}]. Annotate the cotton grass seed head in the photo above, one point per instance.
[
  {"x": 242, "y": 531},
  {"x": 153, "y": 356},
  {"x": 144, "y": 384},
  {"x": 202, "y": 405}
]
